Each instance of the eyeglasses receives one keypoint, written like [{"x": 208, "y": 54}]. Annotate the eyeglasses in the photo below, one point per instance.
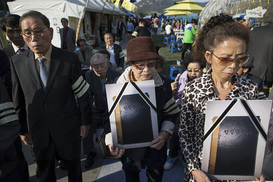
[
  {"x": 37, "y": 32},
  {"x": 142, "y": 66},
  {"x": 194, "y": 71},
  {"x": 228, "y": 61}
]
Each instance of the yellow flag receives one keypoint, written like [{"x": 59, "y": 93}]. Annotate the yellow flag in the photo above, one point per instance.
[{"x": 117, "y": 3}]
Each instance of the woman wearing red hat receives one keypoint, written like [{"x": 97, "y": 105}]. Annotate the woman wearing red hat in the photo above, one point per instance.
[{"x": 142, "y": 59}]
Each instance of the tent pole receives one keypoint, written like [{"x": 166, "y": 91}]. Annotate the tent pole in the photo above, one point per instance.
[{"x": 80, "y": 22}]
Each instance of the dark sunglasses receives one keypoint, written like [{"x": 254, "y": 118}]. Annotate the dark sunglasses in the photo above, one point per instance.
[
  {"x": 228, "y": 61},
  {"x": 142, "y": 66}
]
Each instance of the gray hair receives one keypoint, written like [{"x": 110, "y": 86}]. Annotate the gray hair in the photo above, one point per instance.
[{"x": 98, "y": 56}]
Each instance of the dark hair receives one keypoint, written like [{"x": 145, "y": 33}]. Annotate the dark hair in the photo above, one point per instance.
[
  {"x": 35, "y": 14},
  {"x": 188, "y": 59},
  {"x": 104, "y": 51},
  {"x": 80, "y": 40},
  {"x": 194, "y": 21},
  {"x": 11, "y": 20},
  {"x": 144, "y": 22},
  {"x": 218, "y": 29},
  {"x": 64, "y": 19}
]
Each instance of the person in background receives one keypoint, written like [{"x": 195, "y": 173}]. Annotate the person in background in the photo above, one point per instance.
[
  {"x": 10, "y": 25},
  {"x": 268, "y": 160},
  {"x": 115, "y": 50},
  {"x": 193, "y": 70},
  {"x": 46, "y": 80},
  {"x": 135, "y": 22},
  {"x": 244, "y": 72},
  {"x": 267, "y": 174},
  {"x": 98, "y": 76},
  {"x": 142, "y": 59},
  {"x": 120, "y": 28},
  {"x": 142, "y": 29},
  {"x": 68, "y": 36},
  {"x": 130, "y": 29},
  {"x": 9, "y": 131},
  {"x": 107, "y": 55},
  {"x": 250, "y": 23},
  {"x": 168, "y": 29},
  {"x": 261, "y": 49},
  {"x": 244, "y": 22},
  {"x": 84, "y": 53},
  {"x": 162, "y": 24},
  {"x": 223, "y": 43},
  {"x": 156, "y": 24},
  {"x": 188, "y": 39}
]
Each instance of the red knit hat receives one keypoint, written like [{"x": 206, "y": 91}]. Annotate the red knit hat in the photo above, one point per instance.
[{"x": 141, "y": 48}]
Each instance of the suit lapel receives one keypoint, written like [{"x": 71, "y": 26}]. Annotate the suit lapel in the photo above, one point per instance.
[
  {"x": 53, "y": 68},
  {"x": 31, "y": 66}
]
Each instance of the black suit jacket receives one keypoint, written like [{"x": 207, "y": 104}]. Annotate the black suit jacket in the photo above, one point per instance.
[
  {"x": 122, "y": 26},
  {"x": 51, "y": 114},
  {"x": 9, "y": 51},
  {"x": 119, "y": 56},
  {"x": 261, "y": 49},
  {"x": 70, "y": 39},
  {"x": 97, "y": 98},
  {"x": 5, "y": 71}
]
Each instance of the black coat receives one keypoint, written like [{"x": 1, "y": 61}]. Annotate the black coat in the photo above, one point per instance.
[
  {"x": 9, "y": 51},
  {"x": 50, "y": 115},
  {"x": 96, "y": 97},
  {"x": 119, "y": 56},
  {"x": 261, "y": 49},
  {"x": 5, "y": 71},
  {"x": 9, "y": 131}
]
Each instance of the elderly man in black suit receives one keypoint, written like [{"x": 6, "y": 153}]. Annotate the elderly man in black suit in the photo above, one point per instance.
[
  {"x": 115, "y": 50},
  {"x": 68, "y": 36},
  {"x": 98, "y": 76},
  {"x": 46, "y": 81}
]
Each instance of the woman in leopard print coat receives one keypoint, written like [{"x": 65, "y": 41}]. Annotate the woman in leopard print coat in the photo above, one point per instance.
[{"x": 223, "y": 43}]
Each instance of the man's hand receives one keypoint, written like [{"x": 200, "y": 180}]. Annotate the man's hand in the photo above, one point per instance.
[
  {"x": 159, "y": 142},
  {"x": 116, "y": 151},
  {"x": 200, "y": 176},
  {"x": 26, "y": 139},
  {"x": 84, "y": 130}
]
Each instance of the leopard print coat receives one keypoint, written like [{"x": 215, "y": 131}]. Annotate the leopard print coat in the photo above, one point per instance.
[{"x": 193, "y": 110}]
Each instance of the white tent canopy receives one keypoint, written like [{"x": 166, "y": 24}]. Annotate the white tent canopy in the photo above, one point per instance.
[{"x": 57, "y": 9}]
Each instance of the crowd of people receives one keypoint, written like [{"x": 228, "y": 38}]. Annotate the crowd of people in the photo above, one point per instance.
[{"x": 55, "y": 98}]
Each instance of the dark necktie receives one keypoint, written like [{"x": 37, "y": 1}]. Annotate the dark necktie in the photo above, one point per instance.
[
  {"x": 20, "y": 51},
  {"x": 43, "y": 73}
]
